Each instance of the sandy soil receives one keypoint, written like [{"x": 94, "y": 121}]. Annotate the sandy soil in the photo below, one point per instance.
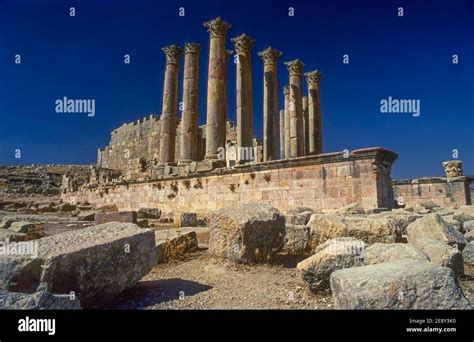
[{"x": 201, "y": 282}]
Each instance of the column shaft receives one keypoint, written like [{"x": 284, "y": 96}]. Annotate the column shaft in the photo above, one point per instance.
[
  {"x": 305, "y": 125},
  {"x": 270, "y": 103},
  {"x": 189, "y": 120},
  {"x": 295, "y": 69},
  {"x": 216, "y": 116},
  {"x": 286, "y": 93},
  {"x": 282, "y": 133},
  {"x": 170, "y": 97},
  {"x": 314, "y": 112}
]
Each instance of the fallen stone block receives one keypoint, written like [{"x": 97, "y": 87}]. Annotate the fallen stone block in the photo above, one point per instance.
[
  {"x": 432, "y": 226},
  {"x": 149, "y": 213},
  {"x": 400, "y": 220},
  {"x": 386, "y": 252},
  {"x": 66, "y": 207},
  {"x": 8, "y": 235},
  {"x": 353, "y": 208},
  {"x": 21, "y": 226},
  {"x": 119, "y": 216},
  {"x": 403, "y": 284},
  {"x": 37, "y": 301},
  {"x": 97, "y": 263},
  {"x": 368, "y": 229},
  {"x": 469, "y": 236},
  {"x": 317, "y": 269},
  {"x": 174, "y": 243},
  {"x": 248, "y": 233},
  {"x": 452, "y": 222},
  {"x": 468, "y": 253},
  {"x": 188, "y": 219},
  {"x": 468, "y": 225},
  {"x": 143, "y": 223},
  {"x": 86, "y": 216},
  {"x": 296, "y": 239},
  {"x": 298, "y": 218},
  {"x": 108, "y": 208},
  {"x": 441, "y": 254},
  {"x": 464, "y": 213}
]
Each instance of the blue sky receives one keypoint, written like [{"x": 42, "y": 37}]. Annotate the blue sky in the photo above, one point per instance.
[{"x": 407, "y": 57}]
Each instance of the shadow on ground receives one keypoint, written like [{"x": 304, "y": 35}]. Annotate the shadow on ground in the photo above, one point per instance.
[{"x": 151, "y": 292}]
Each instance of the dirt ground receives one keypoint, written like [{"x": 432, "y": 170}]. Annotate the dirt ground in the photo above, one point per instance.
[{"x": 201, "y": 282}]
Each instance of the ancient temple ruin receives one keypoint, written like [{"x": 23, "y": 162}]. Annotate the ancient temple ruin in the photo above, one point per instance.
[{"x": 177, "y": 165}]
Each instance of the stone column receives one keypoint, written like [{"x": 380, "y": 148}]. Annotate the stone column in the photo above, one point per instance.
[
  {"x": 314, "y": 113},
  {"x": 286, "y": 93},
  {"x": 282, "y": 133},
  {"x": 453, "y": 168},
  {"x": 216, "y": 116},
  {"x": 270, "y": 103},
  {"x": 244, "y": 110},
  {"x": 170, "y": 98},
  {"x": 228, "y": 54},
  {"x": 305, "y": 125},
  {"x": 189, "y": 120},
  {"x": 295, "y": 70}
]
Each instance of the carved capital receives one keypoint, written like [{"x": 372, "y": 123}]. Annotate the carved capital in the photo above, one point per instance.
[
  {"x": 452, "y": 168},
  {"x": 217, "y": 28},
  {"x": 242, "y": 43},
  {"x": 286, "y": 90},
  {"x": 270, "y": 55},
  {"x": 295, "y": 68},
  {"x": 313, "y": 77},
  {"x": 192, "y": 48},
  {"x": 172, "y": 53}
]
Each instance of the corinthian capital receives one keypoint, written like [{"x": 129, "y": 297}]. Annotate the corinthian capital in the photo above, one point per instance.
[
  {"x": 295, "y": 68},
  {"x": 269, "y": 55},
  {"x": 217, "y": 27},
  {"x": 172, "y": 53},
  {"x": 242, "y": 43},
  {"x": 192, "y": 48},
  {"x": 313, "y": 77}
]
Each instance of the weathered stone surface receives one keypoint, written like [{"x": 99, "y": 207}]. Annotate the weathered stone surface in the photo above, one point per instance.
[
  {"x": 120, "y": 216},
  {"x": 317, "y": 269},
  {"x": 432, "y": 226},
  {"x": 452, "y": 222},
  {"x": 188, "y": 219},
  {"x": 21, "y": 226},
  {"x": 174, "y": 243},
  {"x": 9, "y": 219},
  {"x": 353, "y": 208},
  {"x": 386, "y": 252},
  {"x": 401, "y": 219},
  {"x": 96, "y": 263},
  {"x": 296, "y": 239},
  {"x": 441, "y": 254},
  {"x": 403, "y": 284},
  {"x": 108, "y": 208},
  {"x": 298, "y": 218},
  {"x": 367, "y": 229},
  {"x": 464, "y": 213},
  {"x": 469, "y": 236},
  {"x": 248, "y": 233},
  {"x": 88, "y": 215},
  {"x": 66, "y": 207},
  {"x": 6, "y": 234},
  {"x": 37, "y": 301},
  {"x": 149, "y": 213},
  {"x": 468, "y": 225},
  {"x": 468, "y": 253},
  {"x": 143, "y": 223}
]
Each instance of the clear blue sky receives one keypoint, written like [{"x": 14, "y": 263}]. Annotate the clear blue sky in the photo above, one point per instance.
[{"x": 82, "y": 57}]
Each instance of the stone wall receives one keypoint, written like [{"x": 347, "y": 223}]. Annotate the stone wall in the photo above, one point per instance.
[
  {"x": 137, "y": 143},
  {"x": 447, "y": 192},
  {"x": 326, "y": 181}
]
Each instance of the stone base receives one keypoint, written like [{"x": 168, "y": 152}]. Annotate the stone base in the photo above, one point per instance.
[{"x": 325, "y": 181}]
